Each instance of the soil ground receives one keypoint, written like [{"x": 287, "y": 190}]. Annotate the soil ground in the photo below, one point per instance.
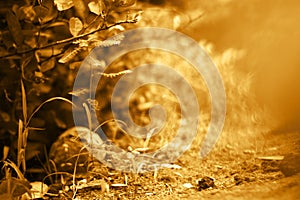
[{"x": 236, "y": 175}]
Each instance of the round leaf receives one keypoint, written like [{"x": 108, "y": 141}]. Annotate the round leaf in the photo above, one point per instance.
[
  {"x": 75, "y": 26},
  {"x": 63, "y": 4},
  {"x": 95, "y": 7}
]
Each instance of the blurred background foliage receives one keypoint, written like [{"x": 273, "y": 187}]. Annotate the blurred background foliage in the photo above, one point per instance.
[{"x": 253, "y": 43}]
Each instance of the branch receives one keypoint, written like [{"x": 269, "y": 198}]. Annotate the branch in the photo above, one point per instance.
[{"x": 69, "y": 39}]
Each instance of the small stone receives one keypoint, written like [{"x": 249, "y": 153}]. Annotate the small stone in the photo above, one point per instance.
[{"x": 205, "y": 183}]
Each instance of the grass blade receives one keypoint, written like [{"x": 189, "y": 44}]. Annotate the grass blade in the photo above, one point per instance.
[
  {"x": 47, "y": 101},
  {"x": 24, "y": 102}
]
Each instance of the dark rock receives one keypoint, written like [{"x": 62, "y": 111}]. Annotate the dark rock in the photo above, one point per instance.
[
  {"x": 290, "y": 165},
  {"x": 205, "y": 183}
]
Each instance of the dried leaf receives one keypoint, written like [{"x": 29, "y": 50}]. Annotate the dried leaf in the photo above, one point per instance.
[
  {"x": 75, "y": 26},
  {"x": 14, "y": 28},
  {"x": 63, "y": 4},
  {"x": 47, "y": 65}
]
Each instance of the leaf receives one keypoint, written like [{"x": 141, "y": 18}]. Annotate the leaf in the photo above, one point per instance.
[
  {"x": 47, "y": 65},
  {"x": 75, "y": 26},
  {"x": 14, "y": 28},
  {"x": 95, "y": 25},
  {"x": 46, "y": 11},
  {"x": 96, "y": 7},
  {"x": 63, "y": 4}
]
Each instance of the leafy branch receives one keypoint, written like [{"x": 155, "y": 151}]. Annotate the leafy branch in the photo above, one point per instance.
[
  {"x": 42, "y": 43},
  {"x": 68, "y": 40}
]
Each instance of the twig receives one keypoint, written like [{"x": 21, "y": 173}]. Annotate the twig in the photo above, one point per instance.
[{"x": 69, "y": 39}]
